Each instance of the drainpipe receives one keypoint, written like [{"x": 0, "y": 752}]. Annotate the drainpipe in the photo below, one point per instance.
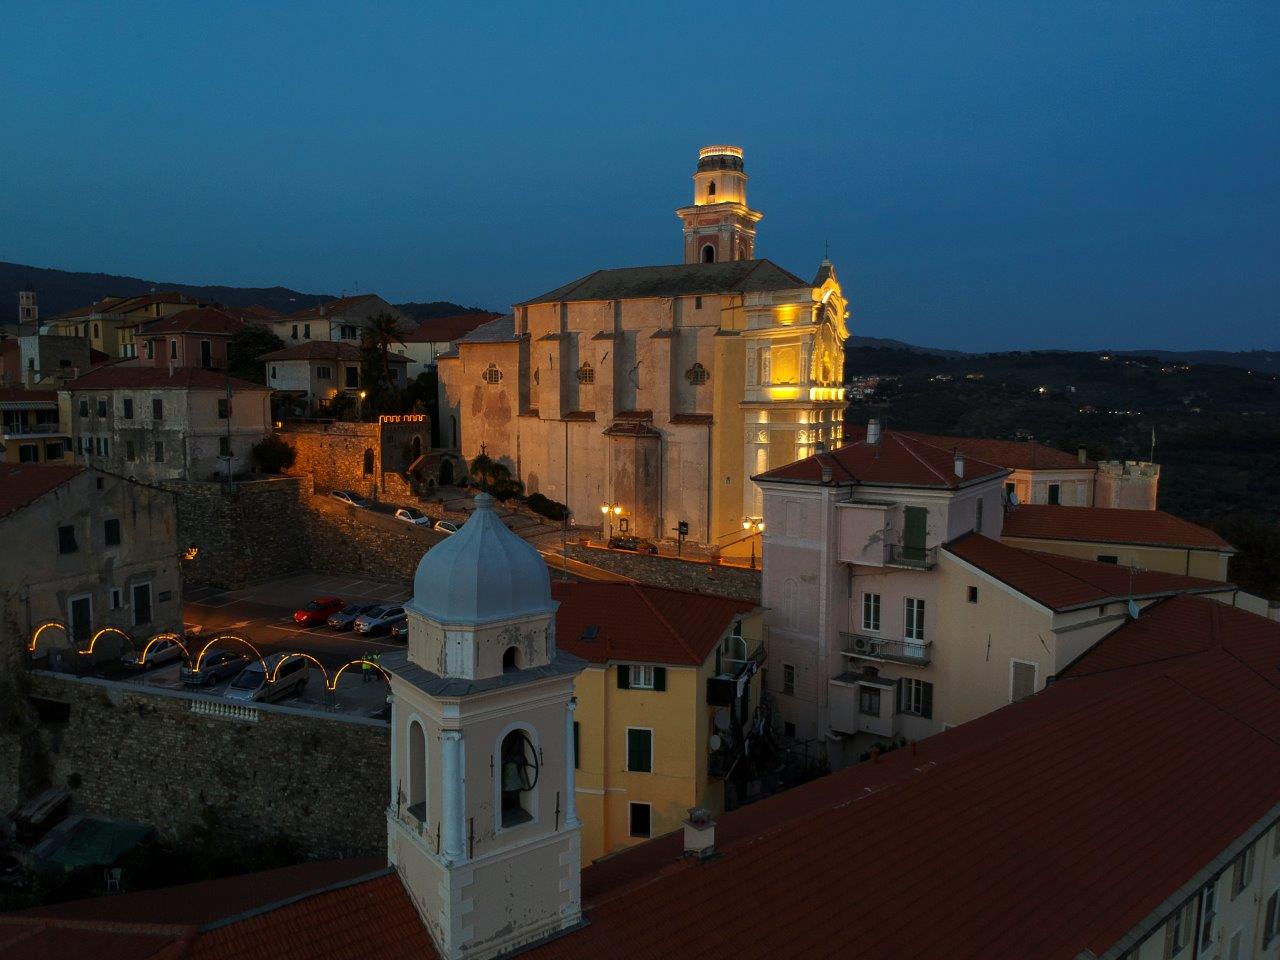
[{"x": 711, "y": 479}]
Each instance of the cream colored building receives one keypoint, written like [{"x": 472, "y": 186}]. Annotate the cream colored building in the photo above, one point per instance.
[
  {"x": 112, "y": 323},
  {"x": 659, "y": 391}
]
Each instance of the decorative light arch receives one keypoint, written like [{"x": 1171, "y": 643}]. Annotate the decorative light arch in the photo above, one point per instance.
[{"x": 41, "y": 628}]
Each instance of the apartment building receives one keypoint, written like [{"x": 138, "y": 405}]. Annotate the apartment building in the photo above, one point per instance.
[
  {"x": 196, "y": 337},
  {"x": 306, "y": 377},
  {"x": 110, "y": 325},
  {"x": 153, "y": 423},
  {"x": 30, "y": 431},
  {"x": 341, "y": 319}
]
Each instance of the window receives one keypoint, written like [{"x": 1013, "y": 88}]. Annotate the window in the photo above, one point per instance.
[
  {"x": 102, "y": 406},
  {"x": 151, "y": 350},
  {"x": 1009, "y": 491},
  {"x": 639, "y": 750},
  {"x": 915, "y": 697},
  {"x": 274, "y": 375},
  {"x": 711, "y": 189},
  {"x": 224, "y": 408},
  {"x": 491, "y": 374},
  {"x": 28, "y": 453},
  {"x": 117, "y": 598},
  {"x": 206, "y": 354},
  {"x": 789, "y": 729},
  {"x": 173, "y": 349},
  {"x": 576, "y": 740},
  {"x": 1275, "y": 846},
  {"x": 1179, "y": 930},
  {"x": 977, "y": 516},
  {"x": 347, "y": 332},
  {"x": 641, "y": 820},
  {"x": 294, "y": 336},
  {"x": 1242, "y": 872},
  {"x": 128, "y": 408},
  {"x": 84, "y": 406},
  {"x": 788, "y": 680},
  {"x": 869, "y": 701},
  {"x": 519, "y": 776},
  {"x": 324, "y": 373},
  {"x": 697, "y": 303},
  {"x": 159, "y": 451},
  {"x": 104, "y": 446},
  {"x": 130, "y": 454},
  {"x": 141, "y": 604},
  {"x": 53, "y": 450},
  {"x": 586, "y": 374},
  {"x": 697, "y": 375},
  {"x": 67, "y": 539},
  {"x": 510, "y": 660},
  {"x": 871, "y": 611},
  {"x": 913, "y": 629},
  {"x": 1108, "y": 558},
  {"x": 368, "y": 462},
  {"x": 111, "y": 532},
  {"x": 642, "y": 677},
  {"x": 708, "y": 254},
  {"x": 157, "y": 409},
  {"x": 1022, "y": 679},
  {"x": 973, "y": 594},
  {"x": 1271, "y": 920},
  {"x": 224, "y": 446},
  {"x": 417, "y": 772},
  {"x": 353, "y": 378},
  {"x": 1055, "y": 493}
]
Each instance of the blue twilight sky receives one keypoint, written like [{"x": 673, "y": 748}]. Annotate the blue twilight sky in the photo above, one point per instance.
[{"x": 988, "y": 174}]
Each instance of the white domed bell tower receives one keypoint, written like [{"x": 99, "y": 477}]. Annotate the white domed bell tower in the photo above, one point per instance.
[{"x": 483, "y": 825}]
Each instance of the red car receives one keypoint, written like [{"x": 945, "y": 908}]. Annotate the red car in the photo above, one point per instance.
[{"x": 316, "y": 613}]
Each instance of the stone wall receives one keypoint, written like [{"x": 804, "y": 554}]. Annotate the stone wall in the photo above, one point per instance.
[
  {"x": 140, "y": 754},
  {"x": 695, "y": 575},
  {"x": 333, "y": 455}
]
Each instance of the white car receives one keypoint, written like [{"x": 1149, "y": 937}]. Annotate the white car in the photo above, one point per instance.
[
  {"x": 413, "y": 515},
  {"x": 162, "y": 651},
  {"x": 350, "y": 497},
  {"x": 445, "y": 526}
]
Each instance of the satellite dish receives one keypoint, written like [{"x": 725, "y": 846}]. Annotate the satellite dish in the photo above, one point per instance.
[
  {"x": 1133, "y": 610},
  {"x": 722, "y": 718},
  {"x": 715, "y": 741}
]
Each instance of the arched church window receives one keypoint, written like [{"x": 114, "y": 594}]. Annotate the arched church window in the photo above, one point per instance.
[
  {"x": 711, "y": 189},
  {"x": 697, "y": 375},
  {"x": 510, "y": 660},
  {"x": 708, "y": 254},
  {"x": 368, "y": 462},
  {"x": 417, "y": 772},
  {"x": 492, "y": 374},
  {"x": 519, "y": 777},
  {"x": 586, "y": 374}
]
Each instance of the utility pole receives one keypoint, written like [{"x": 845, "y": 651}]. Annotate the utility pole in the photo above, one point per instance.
[{"x": 229, "y": 482}]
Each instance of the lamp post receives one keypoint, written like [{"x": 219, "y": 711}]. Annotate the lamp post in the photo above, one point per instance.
[
  {"x": 360, "y": 406},
  {"x": 753, "y": 526},
  {"x": 611, "y": 510}
]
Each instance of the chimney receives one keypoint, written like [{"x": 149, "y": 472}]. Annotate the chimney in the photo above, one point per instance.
[
  {"x": 820, "y": 447},
  {"x": 1081, "y": 455},
  {"x": 959, "y": 464},
  {"x": 873, "y": 431},
  {"x": 826, "y": 470},
  {"x": 699, "y": 834}
]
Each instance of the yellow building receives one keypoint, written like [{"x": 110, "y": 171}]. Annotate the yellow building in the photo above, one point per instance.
[
  {"x": 666, "y": 672},
  {"x": 111, "y": 323}
]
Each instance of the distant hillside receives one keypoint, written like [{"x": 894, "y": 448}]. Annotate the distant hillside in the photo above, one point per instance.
[
  {"x": 885, "y": 343},
  {"x": 63, "y": 290}
]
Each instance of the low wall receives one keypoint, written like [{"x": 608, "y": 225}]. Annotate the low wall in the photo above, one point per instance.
[
  {"x": 140, "y": 754},
  {"x": 694, "y": 575}
]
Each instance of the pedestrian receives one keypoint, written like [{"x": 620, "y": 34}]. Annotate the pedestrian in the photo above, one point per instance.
[{"x": 365, "y": 670}]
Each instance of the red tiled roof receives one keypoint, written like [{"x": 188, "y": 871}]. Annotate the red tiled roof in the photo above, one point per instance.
[
  {"x": 1064, "y": 583},
  {"x": 255, "y": 312},
  {"x": 1110, "y": 525},
  {"x": 23, "y": 484},
  {"x": 331, "y": 307},
  {"x": 123, "y": 305},
  {"x": 1014, "y": 454},
  {"x": 127, "y": 374},
  {"x": 639, "y": 623},
  {"x": 197, "y": 320},
  {"x": 324, "y": 350},
  {"x": 20, "y": 395},
  {"x": 899, "y": 459},
  {"x": 447, "y": 329}
]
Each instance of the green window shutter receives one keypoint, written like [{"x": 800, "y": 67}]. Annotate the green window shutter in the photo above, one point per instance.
[
  {"x": 640, "y": 751},
  {"x": 898, "y": 698},
  {"x": 624, "y": 677},
  {"x": 926, "y": 701},
  {"x": 659, "y": 678}
]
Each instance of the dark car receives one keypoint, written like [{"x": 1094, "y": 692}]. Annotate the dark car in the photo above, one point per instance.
[
  {"x": 217, "y": 665},
  {"x": 400, "y": 629},
  {"x": 317, "y": 612},
  {"x": 345, "y": 618},
  {"x": 634, "y": 544}
]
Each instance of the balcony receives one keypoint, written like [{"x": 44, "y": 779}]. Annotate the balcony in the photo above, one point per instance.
[
  {"x": 914, "y": 558},
  {"x": 915, "y": 652}
]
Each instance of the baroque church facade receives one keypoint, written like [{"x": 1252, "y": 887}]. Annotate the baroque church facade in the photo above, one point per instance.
[{"x": 658, "y": 392}]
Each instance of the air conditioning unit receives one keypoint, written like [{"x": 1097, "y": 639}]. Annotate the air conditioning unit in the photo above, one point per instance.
[{"x": 864, "y": 645}]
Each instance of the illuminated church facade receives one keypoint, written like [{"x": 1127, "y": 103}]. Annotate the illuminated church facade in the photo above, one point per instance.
[{"x": 657, "y": 392}]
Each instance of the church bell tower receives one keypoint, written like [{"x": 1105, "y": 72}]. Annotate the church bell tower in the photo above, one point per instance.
[
  {"x": 719, "y": 225},
  {"x": 482, "y": 825}
]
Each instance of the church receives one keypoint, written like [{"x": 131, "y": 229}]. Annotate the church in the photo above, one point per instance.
[{"x": 655, "y": 393}]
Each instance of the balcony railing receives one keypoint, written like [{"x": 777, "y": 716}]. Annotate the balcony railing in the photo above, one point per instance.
[
  {"x": 918, "y": 558},
  {"x": 32, "y": 429},
  {"x": 918, "y": 652}
]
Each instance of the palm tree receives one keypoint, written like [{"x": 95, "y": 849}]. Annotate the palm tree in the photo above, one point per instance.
[{"x": 382, "y": 331}]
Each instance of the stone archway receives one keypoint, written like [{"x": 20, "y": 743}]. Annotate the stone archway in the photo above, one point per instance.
[{"x": 446, "y": 472}]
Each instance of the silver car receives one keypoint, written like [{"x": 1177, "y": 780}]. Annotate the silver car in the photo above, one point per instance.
[
  {"x": 413, "y": 515},
  {"x": 351, "y": 498},
  {"x": 378, "y": 619},
  {"x": 162, "y": 651}
]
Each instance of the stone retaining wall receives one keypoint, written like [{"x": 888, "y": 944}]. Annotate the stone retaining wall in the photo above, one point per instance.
[
  {"x": 694, "y": 575},
  {"x": 139, "y": 754}
]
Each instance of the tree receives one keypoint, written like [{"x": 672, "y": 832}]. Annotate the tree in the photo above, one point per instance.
[
  {"x": 376, "y": 339},
  {"x": 274, "y": 454},
  {"x": 245, "y": 347},
  {"x": 495, "y": 478}
]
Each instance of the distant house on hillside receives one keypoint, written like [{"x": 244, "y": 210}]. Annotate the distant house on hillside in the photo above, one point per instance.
[
  {"x": 341, "y": 319},
  {"x": 436, "y": 336}
]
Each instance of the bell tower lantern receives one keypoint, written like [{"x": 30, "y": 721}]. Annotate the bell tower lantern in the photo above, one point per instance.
[
  {"x": 482, "y": 825},
  {"x": 719, "y": 225}
]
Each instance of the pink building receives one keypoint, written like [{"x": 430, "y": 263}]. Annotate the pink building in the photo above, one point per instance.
[{"x": 192, "y": 338}]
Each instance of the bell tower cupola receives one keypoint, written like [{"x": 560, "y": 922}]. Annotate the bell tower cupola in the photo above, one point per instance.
[
  {"x": 719, "y": 225},
  {"x": 482, "y": 824}
]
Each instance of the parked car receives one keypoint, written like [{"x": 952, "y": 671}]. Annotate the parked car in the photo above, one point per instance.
[
  {"x": 634, "y": 544},
  {"x": 378, "y": 619},
  {"x": 252, "y": 683},
  {"x": 399, "y": 628},
  {"x": 317, "y": 612},
  {"x": 162, "y": 651},
  {"x": 445, "y": 526},
  {"x": 350, "y": 497},
  {"x": 217, "y": 665},
  {"x": 345, "y": 618},
  {"x": 413, "y": 515}
]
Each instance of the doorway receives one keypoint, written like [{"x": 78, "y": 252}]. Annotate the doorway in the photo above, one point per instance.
[
  {"x": 80, "y": 613},
  {"x": 916, "y": 523},
  {"x": 141, "y": 603}
]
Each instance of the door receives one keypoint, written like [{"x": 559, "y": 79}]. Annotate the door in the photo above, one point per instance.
[
  {"x": 141, "y": 603},
  {"x": 916, "y": 522},
  {"x": 81, "y": 613},
  {"x": 206, "y": 354}
]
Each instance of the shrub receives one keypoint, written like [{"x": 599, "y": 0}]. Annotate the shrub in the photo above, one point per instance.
[
  {"x": 546, "y": 507},
  {"x": 274, "y": 454}
]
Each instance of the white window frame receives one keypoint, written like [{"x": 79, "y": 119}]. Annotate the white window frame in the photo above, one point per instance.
[
  {"x": 626, "y": 750},
  {"x": 913, "y": 704},
  {"x": 1035, "y": 676},
  {"x": 789, "y": 690},
  {"x": 913, "y": 619},
  {"x": 872, "y": 601},
  {"x": 640, "y": 676},
  {"x": 1243, "y": 866},
  {"x": 639, "y": 803},
  {"x": 1208, "y": 913}
]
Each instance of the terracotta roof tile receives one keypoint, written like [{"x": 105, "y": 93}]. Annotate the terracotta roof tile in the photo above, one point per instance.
[
  {"x": 1014, "y": 454},
  {"x": 23, "y": 484},
  {"x": 197, "y": 320},
  {"x": 1110, "y": 525},
  {"x": 318, "y": 350},
  {"x": 127, "y": 374},
  {"x": 447, "y": 329},
  {"x": 1064, "y": 583},
  {"x": 21, "y": 395}
]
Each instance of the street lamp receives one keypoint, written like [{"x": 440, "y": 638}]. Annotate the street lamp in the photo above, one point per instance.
[
  {"x": 753, "y": 525},
  {"x": 360, "y": 406},
  {"x": 611, "y": 510}
]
